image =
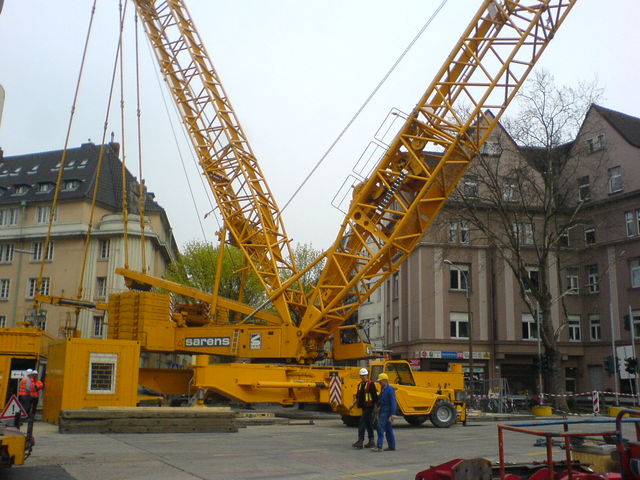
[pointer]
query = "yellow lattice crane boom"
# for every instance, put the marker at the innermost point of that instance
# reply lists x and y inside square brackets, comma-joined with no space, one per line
[243,197]
[391,211]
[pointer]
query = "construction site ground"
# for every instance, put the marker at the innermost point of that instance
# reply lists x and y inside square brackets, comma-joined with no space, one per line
[307,446]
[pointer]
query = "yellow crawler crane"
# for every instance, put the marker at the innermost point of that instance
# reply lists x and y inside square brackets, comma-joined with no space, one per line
[389,213]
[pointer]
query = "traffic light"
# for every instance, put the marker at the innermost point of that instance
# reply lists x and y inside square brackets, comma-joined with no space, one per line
[610,365]
[631,365]
[541,362]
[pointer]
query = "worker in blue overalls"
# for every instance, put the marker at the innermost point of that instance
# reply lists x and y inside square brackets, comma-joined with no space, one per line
[387,406]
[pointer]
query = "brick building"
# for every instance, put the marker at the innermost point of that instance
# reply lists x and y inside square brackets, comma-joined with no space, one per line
[596,272]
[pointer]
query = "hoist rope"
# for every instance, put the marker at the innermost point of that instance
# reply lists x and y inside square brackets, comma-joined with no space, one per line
[123,153]
[143,194]
[364,104]
[63,158]
[100,157]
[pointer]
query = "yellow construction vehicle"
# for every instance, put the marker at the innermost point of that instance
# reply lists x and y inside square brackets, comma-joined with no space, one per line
[389,213]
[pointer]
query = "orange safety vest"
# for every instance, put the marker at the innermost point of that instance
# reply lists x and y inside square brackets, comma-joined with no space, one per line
[23,388]
[36,387]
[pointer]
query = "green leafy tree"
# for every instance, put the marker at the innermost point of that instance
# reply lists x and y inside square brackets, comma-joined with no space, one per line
[196,267]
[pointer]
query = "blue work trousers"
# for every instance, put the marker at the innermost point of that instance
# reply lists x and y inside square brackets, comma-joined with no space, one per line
[385,427]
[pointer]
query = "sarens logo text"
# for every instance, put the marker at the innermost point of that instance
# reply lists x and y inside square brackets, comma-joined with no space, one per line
[207,342]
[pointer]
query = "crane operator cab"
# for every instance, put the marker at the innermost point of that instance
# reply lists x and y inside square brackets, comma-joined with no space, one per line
[348,344]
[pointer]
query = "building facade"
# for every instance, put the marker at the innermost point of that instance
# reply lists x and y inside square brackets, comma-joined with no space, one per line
[594,275]
[75,265]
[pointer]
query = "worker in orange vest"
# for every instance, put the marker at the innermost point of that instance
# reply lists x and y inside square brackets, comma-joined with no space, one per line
[29,391]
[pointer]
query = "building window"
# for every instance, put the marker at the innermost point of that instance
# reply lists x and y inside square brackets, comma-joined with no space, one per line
[470,187]
[594,326]
[529,327]
[32,286]
[6,252]
[584,189]
[453,232]
[491,149]
[9,216]
[532,279]
[459,325]
[70,185]
[509,190]
[523,232]
[464,232]
[43,213]
[37,247]
[635,315]
[589,235]
[596,144]
[635,273]
[3,321]
[593,279]
[101,287]
[629,222]
[615,179]
[103,245]
[396,330]
[563,239]
[459,277]
[573,281]
[5,283]
[463,228]
[395,285]
[102,373]
[98,326]
[20,189]
[44,187]
[574,327]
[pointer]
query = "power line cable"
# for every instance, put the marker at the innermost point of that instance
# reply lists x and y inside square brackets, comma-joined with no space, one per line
[366,102]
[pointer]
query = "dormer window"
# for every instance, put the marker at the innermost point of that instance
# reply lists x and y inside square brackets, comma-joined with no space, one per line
[33,170]
[4,173]
[57,167]
[16,171]
[83,163]
[20,189]
[45,187]
[70,185]
[70,165]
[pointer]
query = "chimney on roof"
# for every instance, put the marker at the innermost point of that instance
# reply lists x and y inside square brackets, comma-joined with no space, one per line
[151,195]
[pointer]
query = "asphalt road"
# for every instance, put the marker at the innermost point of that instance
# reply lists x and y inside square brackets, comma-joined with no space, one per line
[319,451]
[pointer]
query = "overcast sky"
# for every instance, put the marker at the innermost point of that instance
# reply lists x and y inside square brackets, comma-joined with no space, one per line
[296,72]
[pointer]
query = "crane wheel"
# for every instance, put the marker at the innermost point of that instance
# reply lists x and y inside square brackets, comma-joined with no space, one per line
[416,420]
[350,420]
[443,414]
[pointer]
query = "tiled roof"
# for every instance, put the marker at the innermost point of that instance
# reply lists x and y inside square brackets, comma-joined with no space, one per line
[36,174]
[626,125]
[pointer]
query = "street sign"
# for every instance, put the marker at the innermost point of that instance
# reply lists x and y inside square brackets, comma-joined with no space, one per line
[12,408]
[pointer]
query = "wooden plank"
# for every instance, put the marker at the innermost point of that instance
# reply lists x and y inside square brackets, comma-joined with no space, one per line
[146,429]
[149,421]
[148,412]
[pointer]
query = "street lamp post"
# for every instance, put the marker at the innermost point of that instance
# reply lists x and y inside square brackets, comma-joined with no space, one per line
[467,295]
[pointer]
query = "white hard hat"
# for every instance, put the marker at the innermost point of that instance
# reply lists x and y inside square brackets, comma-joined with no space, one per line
[364,371]
[30,372]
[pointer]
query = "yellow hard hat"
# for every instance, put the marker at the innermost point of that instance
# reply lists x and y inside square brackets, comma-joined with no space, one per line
[383,376]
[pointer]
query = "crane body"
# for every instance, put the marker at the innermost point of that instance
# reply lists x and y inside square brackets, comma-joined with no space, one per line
[390,212]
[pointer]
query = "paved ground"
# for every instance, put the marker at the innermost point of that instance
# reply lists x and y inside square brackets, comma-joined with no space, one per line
[308,452]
